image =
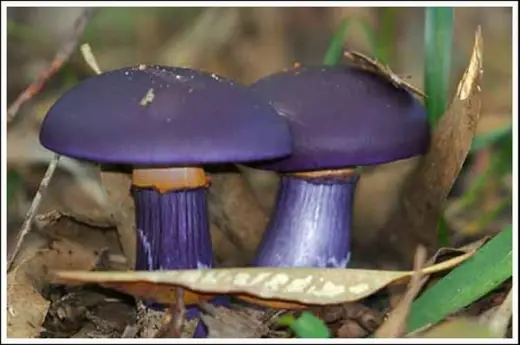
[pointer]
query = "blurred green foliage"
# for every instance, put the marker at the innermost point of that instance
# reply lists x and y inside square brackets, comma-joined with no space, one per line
[335,50]
[14,184]
[306,325]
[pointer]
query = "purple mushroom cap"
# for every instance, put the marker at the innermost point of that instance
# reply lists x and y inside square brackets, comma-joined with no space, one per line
[343,116]
[156,115]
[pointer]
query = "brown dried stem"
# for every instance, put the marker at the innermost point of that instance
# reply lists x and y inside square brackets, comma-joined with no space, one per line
[395,325]
[174,318]
[26,226]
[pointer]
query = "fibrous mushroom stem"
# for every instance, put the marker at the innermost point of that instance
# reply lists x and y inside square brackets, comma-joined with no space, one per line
[172,220]
[172,229]
[172,224]
[310,224]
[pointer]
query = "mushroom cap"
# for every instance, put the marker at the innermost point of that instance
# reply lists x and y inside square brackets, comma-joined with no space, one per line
[189,118]
[343,116]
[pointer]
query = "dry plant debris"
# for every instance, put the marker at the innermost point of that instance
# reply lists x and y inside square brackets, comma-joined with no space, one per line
[424,195]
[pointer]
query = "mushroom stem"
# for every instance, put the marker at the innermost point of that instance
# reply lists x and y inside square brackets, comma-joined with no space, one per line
[172,224]
[172,229]
[310,226]
[171,219]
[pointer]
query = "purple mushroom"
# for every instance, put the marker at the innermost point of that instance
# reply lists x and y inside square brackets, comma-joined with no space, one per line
[166,123]
[340,117]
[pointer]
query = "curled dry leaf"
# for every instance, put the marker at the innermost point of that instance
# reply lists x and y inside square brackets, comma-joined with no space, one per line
[381,69]
[422,201]
[26,306]
[278,287]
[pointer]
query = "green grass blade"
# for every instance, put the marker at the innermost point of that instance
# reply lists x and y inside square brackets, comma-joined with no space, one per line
[335,50]
[437,61]
[483,272]
[371,37]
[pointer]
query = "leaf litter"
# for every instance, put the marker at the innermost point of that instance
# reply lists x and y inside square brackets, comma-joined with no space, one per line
[163,285]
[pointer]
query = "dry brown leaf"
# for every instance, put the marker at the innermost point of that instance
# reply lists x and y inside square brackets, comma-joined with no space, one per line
[279,287]
[223,322]
[91,236]
[421,204]
[26,308]
[234,210]
[367,63]
[122,210]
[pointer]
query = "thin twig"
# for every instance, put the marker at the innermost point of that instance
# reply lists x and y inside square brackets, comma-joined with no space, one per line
[174,318]
[394,326]
[180,312]
[62,56]
[26,226]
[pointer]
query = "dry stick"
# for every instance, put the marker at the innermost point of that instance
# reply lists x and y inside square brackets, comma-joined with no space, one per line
[62,56]
[26,226]
[180,312]
[395,325]
[174,318]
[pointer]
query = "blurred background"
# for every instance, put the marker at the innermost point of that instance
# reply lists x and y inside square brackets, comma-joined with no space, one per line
[245,44]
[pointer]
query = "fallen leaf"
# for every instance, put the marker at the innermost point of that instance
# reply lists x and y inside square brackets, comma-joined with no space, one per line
[421,204]
[307,325]
[93,237]
[26,307]
[223,322]
[122,209]
[278,287]
[381,69]
[235,211]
